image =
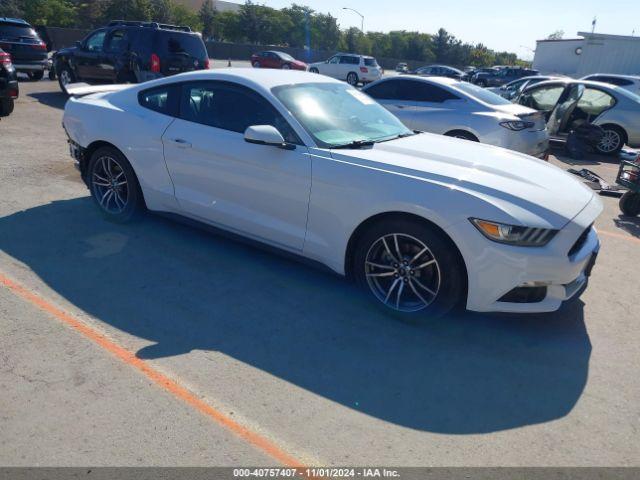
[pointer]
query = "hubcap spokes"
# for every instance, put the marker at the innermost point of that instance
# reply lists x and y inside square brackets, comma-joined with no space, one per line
[65,78]
[609,141]
[110,185]
[402,272]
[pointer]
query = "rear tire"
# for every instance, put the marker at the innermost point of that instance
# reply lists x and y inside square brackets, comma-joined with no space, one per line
[114,186]
[630,204]
[417,276]
[65,77]
[612,141]
[352,79]
[6,107]
[286,66]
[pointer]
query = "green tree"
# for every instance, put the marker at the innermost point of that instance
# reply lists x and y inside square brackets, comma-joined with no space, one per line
[325,33]
[184,16]
[557,35]
[161,11]
[11,8]
[207,15]
[59,13]
[127,10]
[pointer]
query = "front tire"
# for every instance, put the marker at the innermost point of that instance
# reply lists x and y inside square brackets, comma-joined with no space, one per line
[65,77]
[352,79]
[286,66]
[114,186]
[630,204]
[409,268]
[612,141]
[256,64]
[314,70]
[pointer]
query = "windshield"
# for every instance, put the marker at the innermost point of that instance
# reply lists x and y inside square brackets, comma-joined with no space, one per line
[481,94]
[338,114]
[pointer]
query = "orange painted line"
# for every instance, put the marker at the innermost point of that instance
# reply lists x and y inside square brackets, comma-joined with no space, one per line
[621,236]
[160,379]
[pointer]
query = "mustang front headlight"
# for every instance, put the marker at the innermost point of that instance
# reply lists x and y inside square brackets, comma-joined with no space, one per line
[514,234]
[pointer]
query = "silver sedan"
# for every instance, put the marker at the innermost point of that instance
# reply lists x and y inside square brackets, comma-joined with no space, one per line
[460,109]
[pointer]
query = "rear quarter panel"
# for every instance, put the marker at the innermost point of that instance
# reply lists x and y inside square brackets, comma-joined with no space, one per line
[136,131]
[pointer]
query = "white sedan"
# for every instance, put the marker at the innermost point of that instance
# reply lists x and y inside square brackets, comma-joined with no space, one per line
[312,166]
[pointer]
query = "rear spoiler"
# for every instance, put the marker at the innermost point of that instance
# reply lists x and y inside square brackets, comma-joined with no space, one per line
[82,89]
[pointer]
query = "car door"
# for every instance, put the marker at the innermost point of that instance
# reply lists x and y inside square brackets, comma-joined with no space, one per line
[257,190]
[88,56]
[113,58]
[542,97]
[331,68]
[348,63]
[433,108]
[387,93]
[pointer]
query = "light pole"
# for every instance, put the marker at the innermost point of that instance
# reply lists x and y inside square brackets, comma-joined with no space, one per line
[361,17]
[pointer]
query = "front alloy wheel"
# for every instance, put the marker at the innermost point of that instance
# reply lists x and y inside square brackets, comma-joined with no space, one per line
[411,268]
[402,272]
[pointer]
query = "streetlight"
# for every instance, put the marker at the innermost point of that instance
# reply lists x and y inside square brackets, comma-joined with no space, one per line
[361,17]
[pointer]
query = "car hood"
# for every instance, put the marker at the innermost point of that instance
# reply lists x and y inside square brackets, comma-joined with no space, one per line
[529,191]
[299,63]
[514,108]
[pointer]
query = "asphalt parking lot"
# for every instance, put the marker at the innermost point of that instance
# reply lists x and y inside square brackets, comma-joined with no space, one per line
[161,344]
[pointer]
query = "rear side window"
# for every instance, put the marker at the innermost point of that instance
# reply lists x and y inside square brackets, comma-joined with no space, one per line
[621,82]
[230,107]
[370,62]
[117,41]
[350,60]
[412,90]
[175,43]
[162,99]
[16,32]
[384,90]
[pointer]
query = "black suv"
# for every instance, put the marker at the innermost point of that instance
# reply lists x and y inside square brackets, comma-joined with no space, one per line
[8,84]
[497,78]
[131,52]
[28,51]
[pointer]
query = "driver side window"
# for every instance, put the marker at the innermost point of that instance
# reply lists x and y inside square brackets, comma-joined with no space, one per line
[95,42]
[334,60]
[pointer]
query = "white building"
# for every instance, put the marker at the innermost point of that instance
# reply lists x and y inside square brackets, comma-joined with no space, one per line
[593,53]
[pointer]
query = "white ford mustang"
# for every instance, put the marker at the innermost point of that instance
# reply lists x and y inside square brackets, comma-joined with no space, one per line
[312,166]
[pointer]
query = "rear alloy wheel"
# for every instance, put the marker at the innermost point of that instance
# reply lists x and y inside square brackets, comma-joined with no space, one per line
[256,64]
[352,79]
[65,78]
[409,267]
[630,204]
[611,142]
[114,186]
[286,66]
[314,70]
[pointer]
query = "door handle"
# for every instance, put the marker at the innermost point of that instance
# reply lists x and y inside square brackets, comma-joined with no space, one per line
[181,143]
[400,106]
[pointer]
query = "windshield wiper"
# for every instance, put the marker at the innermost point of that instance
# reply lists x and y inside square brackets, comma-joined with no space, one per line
[356,144]
[400,135]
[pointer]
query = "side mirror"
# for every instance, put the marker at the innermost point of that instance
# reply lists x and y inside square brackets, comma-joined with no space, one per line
[266,135]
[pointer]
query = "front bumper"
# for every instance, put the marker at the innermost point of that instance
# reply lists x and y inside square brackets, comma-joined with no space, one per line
[494,269]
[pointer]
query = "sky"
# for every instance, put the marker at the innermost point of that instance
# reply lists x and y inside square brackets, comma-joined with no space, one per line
[500,25]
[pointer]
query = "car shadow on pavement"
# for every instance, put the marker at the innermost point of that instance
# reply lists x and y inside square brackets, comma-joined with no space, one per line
[184,289]
[50,99]
[628,224]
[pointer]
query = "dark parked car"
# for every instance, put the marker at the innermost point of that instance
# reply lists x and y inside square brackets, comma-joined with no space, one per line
[28,51]
[8,84]
[131,52]
[439,71]
[497,78]
[274,59]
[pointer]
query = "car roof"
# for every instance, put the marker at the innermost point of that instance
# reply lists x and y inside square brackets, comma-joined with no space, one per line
[14,21]
[438,80]
[613,75]
[566,81]
[256,78]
